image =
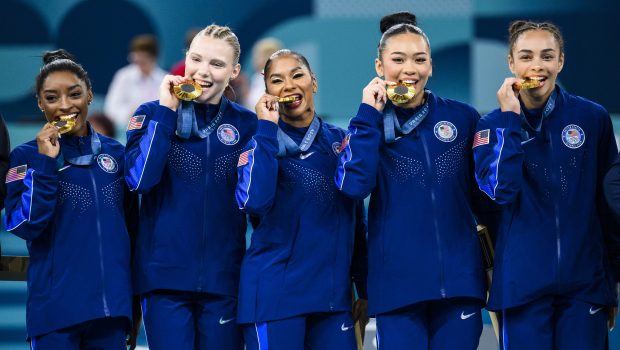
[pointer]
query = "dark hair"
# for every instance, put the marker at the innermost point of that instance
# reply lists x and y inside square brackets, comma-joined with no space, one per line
[519,27]
[60,61]
[285,52]
[399,23]
[145,43]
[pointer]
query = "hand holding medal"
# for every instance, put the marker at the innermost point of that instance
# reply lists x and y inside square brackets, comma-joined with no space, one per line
[374,94]
[167,96]
[47,141]
[267,108]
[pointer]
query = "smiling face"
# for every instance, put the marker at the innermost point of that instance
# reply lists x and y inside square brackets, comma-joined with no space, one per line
[64,94]
[210,62]
[288,76]
[536,55]
[406,57]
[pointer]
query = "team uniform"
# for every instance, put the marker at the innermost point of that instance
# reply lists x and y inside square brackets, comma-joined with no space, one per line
[425,277]
[71,211]
[5,149]
[192,235]
[295,289]
[552,278]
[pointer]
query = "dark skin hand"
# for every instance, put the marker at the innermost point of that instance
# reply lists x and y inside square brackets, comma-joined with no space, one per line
[360,313]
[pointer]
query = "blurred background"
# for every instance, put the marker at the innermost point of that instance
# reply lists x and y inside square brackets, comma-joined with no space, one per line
[339,38]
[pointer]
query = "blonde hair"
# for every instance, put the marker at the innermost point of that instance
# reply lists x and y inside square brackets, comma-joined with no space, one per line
[224,33]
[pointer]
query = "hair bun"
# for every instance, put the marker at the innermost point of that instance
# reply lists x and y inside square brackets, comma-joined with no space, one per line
[51,56]
[397,18]
[516,26]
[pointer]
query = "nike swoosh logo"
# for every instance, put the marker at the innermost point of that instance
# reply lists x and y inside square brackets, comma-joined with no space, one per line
[592,312]
[64,167]
[223,321]
[464,317]
[398,138]
[304,156]
[345,328]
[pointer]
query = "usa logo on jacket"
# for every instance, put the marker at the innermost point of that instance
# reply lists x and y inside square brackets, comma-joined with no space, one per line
[573,136]
[107,163]
[228,134]
[445,131]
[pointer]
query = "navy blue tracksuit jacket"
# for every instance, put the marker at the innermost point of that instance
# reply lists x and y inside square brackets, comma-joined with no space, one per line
[555,222]
[422,242]
[192,235]
[300,258]
[73,220]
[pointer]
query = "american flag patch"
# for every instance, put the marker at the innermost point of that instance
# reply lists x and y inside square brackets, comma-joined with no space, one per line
[243,158]
[17,173]
[135,122]
[481,138]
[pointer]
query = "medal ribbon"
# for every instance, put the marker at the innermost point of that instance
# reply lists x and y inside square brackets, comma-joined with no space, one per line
[87,159]
[286,145]
[549,107]
[391,123]
[187,125]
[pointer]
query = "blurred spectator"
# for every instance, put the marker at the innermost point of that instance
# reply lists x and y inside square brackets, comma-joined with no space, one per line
[102,124]
[260,53]
[240,89]
[135,83]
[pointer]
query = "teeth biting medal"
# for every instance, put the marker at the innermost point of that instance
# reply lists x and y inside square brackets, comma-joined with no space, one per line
[64,124]
[288,99]
[401,92]
[528,83]
[188,90]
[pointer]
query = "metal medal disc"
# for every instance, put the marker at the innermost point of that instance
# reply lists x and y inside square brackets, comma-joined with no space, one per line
[64,125]
[187,90]
[288,99]
[400,93]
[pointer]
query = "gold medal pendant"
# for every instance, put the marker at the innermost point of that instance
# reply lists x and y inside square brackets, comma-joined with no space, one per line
[400,92]
[64,124]
[528,83]
[187,91]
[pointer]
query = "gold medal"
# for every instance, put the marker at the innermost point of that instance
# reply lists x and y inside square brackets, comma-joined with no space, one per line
[528,83]
[288,99]
[400,92]
[188,90]
[64,124]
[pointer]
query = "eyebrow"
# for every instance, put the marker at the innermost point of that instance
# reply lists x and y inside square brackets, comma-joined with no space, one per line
[292,71]
[70,88]
[530,51]
[402,53]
